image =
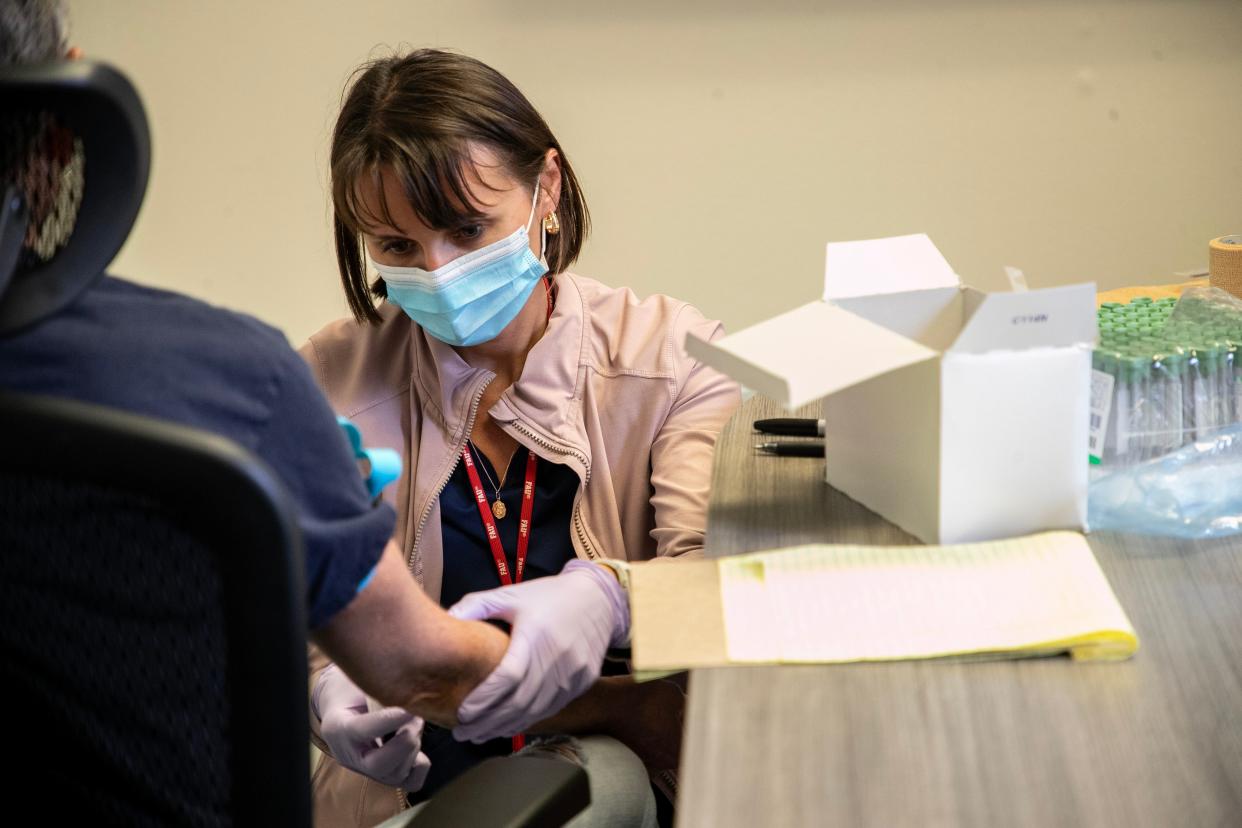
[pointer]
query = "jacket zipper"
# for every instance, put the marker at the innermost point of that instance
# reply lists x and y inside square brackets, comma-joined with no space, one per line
[552,447]
[579,526]
[580,529]
[418,529]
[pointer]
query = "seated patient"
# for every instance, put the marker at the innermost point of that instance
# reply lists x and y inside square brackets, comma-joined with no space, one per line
[164,355]
[544,418]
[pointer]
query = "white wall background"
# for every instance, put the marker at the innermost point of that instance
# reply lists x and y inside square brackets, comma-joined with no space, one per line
[720,143]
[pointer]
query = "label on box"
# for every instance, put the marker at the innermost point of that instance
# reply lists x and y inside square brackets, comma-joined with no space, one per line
[1101,405]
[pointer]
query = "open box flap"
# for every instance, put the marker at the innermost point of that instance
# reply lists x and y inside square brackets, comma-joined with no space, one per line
[892,265]
[808,353]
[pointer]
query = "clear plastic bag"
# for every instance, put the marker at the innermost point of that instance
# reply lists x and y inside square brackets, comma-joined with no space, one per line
[1194,492]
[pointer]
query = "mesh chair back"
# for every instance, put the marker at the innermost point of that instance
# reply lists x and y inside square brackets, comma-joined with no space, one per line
[152,626]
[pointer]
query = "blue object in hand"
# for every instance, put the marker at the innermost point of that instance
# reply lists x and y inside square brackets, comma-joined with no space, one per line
[385,463]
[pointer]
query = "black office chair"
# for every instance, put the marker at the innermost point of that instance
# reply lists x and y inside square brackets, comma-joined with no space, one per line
[152,633]
[152,622]
[152,605]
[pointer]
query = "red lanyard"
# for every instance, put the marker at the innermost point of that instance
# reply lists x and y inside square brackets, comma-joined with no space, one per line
[489,522]
[493,536]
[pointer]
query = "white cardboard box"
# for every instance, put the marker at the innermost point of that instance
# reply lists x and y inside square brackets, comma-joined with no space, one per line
[956,414]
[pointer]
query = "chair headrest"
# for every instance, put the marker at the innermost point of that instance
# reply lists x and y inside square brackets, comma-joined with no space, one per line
[97,111]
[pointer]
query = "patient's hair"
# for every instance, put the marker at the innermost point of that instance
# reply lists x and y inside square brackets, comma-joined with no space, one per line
[33,31]
[417,115]
[38,155]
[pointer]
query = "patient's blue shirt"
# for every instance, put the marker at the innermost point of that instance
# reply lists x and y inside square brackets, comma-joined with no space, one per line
[165,355]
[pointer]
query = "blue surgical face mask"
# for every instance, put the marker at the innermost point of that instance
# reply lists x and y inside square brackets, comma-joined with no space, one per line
[474,297]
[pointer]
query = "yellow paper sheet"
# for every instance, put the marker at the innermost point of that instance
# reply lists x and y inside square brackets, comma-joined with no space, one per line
[818,604]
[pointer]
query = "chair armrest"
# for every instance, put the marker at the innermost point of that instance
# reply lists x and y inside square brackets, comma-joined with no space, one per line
[509,792]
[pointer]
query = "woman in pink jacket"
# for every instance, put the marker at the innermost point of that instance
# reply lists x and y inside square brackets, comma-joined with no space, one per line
[542,416]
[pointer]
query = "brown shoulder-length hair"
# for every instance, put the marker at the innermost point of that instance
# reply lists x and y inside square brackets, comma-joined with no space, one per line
[417,115]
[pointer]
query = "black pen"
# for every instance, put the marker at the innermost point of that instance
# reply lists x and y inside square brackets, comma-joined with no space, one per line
[808,449]
[791,427]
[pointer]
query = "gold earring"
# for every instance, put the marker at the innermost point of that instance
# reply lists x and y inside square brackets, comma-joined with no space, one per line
[551,224]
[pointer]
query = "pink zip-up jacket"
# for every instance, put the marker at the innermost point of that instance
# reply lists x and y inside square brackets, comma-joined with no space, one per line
[608,390]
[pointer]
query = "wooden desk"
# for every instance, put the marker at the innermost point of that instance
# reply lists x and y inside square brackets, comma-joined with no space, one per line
[1153,741]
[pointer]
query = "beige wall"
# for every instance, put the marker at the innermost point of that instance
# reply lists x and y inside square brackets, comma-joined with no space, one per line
[720,143]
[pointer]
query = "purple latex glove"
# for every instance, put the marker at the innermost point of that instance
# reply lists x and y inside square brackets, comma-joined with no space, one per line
[561,628]
[353,733]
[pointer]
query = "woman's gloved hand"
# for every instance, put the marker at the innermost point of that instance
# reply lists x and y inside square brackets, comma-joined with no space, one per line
[561,626]
[353,733]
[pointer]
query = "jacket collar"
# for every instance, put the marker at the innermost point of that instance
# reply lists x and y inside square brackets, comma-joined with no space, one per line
[544,405]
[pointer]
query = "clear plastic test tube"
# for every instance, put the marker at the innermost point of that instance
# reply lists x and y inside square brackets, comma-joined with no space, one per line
[1141,426]
[1228,368]
[1157,442]
[1202,377]
[1194,397]
[1236,392]
[1212,364]
[1097,451]
[1110,363]
[1123,397]
[1173,367]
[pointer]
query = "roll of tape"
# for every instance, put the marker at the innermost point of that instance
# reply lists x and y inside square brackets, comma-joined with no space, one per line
[1225,263]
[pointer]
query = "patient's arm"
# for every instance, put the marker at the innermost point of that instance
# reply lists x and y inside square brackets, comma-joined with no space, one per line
[403,650]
